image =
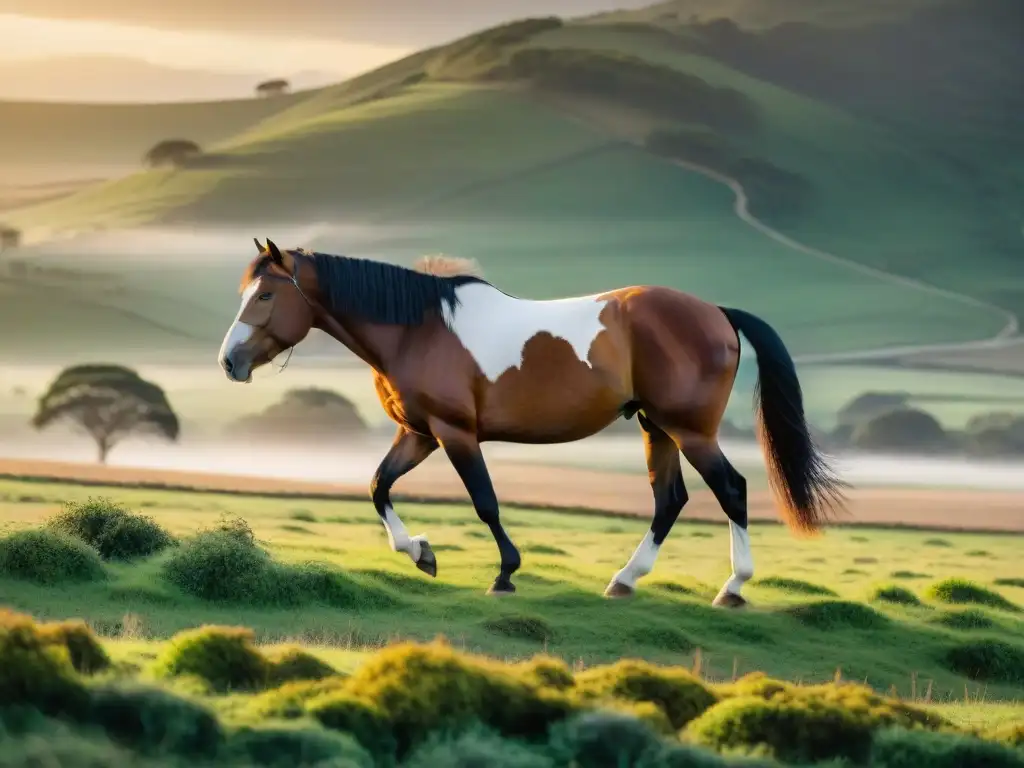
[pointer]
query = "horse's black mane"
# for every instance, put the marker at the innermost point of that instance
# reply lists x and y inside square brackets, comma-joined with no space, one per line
[385,293]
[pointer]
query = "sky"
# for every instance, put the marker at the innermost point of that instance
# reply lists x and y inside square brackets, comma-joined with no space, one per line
[125,50]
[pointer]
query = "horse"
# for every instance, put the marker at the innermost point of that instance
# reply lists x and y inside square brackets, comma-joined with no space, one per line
[457,362]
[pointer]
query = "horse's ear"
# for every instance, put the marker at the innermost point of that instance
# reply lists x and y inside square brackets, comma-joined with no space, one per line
[275,252]
[259,248]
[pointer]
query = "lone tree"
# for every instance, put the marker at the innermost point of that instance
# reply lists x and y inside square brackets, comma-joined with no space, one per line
[10,237]
[273,88]
[174,152]
[108,402]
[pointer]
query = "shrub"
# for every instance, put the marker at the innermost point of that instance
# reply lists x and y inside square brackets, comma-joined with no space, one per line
[49,558]
[58,745]
[289,701]
[421,688]
[85,653]
[290,747]
[219,566]
[1009,733]
[36,672]
[791,731]
[902,429]
[837,614]
[962,591]
[363,719]
[603,740]
[987,659]
[149,720]
[292,664]
[520,627]
[546,671]
[476,748]
[111,528]
[968,619]
[896,748]
[680,695]
[793,585]
[223,657]
[895,594]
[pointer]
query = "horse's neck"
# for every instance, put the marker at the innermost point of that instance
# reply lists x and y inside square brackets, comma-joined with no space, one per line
[365,341]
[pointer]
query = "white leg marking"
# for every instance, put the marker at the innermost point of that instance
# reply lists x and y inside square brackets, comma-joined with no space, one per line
[742,560]
[641,563]
[239,332]
[399,538]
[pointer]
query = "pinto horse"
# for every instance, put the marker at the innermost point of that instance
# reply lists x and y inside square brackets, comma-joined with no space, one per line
[457,362]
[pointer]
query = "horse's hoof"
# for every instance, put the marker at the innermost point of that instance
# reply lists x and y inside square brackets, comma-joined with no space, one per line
[427,562]
[728,600]
[502,588]
[618,590]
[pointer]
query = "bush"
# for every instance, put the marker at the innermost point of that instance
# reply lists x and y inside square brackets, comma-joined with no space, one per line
[35,672]
[421,688]
[962,591]
[902,429]
[219,566]
[112,529]
[520,627]
[173,152]
[361,718]
[49,558]
[546,671]
[990,660]
[603,740]
[58,746]
[837,614]
[292,664]
[968,619]
[149,720]
[223,657]
[896,748]
[680,695]
[793,585]
[476,748]
[85,653]
[792,731]
[895,594]
[1010,733]
[291,747]
[289,701]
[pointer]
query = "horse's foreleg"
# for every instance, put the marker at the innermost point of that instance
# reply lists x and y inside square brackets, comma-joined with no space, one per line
[730,488]
[669,497]
[463,450]
[407,451]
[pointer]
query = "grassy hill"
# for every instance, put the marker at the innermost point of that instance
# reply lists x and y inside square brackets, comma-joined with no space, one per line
[562,156]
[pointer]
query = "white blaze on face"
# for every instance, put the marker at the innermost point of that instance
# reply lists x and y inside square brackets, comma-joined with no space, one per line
[239,332]
[494,327]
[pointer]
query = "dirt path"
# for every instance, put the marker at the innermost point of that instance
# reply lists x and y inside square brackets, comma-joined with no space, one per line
[565,488]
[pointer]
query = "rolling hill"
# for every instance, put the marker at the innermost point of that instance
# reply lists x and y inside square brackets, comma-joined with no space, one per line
[571,156]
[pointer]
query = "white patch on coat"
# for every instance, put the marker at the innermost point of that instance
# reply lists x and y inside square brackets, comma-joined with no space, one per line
[495,327]
[742,559]
[239,332]
[640,564]
[399,537]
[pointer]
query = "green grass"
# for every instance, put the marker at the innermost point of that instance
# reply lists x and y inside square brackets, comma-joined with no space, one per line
[558,608]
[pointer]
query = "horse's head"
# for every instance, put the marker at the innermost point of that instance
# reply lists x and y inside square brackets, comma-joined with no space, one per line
[275,314]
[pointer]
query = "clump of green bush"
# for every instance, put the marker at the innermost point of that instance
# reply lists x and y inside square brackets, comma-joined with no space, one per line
[364,719]
[897,748]
[49,558]
[987,659]
[111,529]
[291,747]
[797,586]
[603,739]
[546,671]
[520,627]
[226,658]
[967,619]
[288,701]
[962,591]
[680,695]
[292,664]
[85,653]
[894,594]
[837,614]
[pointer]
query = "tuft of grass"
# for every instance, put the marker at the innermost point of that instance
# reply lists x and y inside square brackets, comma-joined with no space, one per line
[111,529]
[365,720]
[72,638]
[987,659]
[225,658]
[966,620]
[302,515]
[796,586]
[545,671]
[1012,581]
[978,553]
[49,558]
[288,701]
[544,549]
[836,614]
[665,638]
[291,664]
[936,543]
[908,575]
[895,594]
[520,627]
[962,591]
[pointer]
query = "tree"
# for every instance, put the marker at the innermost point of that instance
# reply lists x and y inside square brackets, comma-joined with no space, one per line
[273,88]
[903,430]
[10,238]
[308,413]
[175,152]
[108,402]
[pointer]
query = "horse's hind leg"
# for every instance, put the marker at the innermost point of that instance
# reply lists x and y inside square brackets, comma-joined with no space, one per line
[407,451]
[669,497]
[730,488]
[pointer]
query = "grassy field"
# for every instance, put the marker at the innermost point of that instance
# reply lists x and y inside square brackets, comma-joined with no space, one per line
[326,600]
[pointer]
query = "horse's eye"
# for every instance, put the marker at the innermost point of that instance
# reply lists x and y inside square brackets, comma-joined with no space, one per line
[265,297]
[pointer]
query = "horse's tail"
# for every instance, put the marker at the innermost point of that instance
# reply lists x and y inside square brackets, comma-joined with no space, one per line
[805,487]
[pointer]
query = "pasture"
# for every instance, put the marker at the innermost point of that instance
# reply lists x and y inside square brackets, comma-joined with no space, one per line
[331,609]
